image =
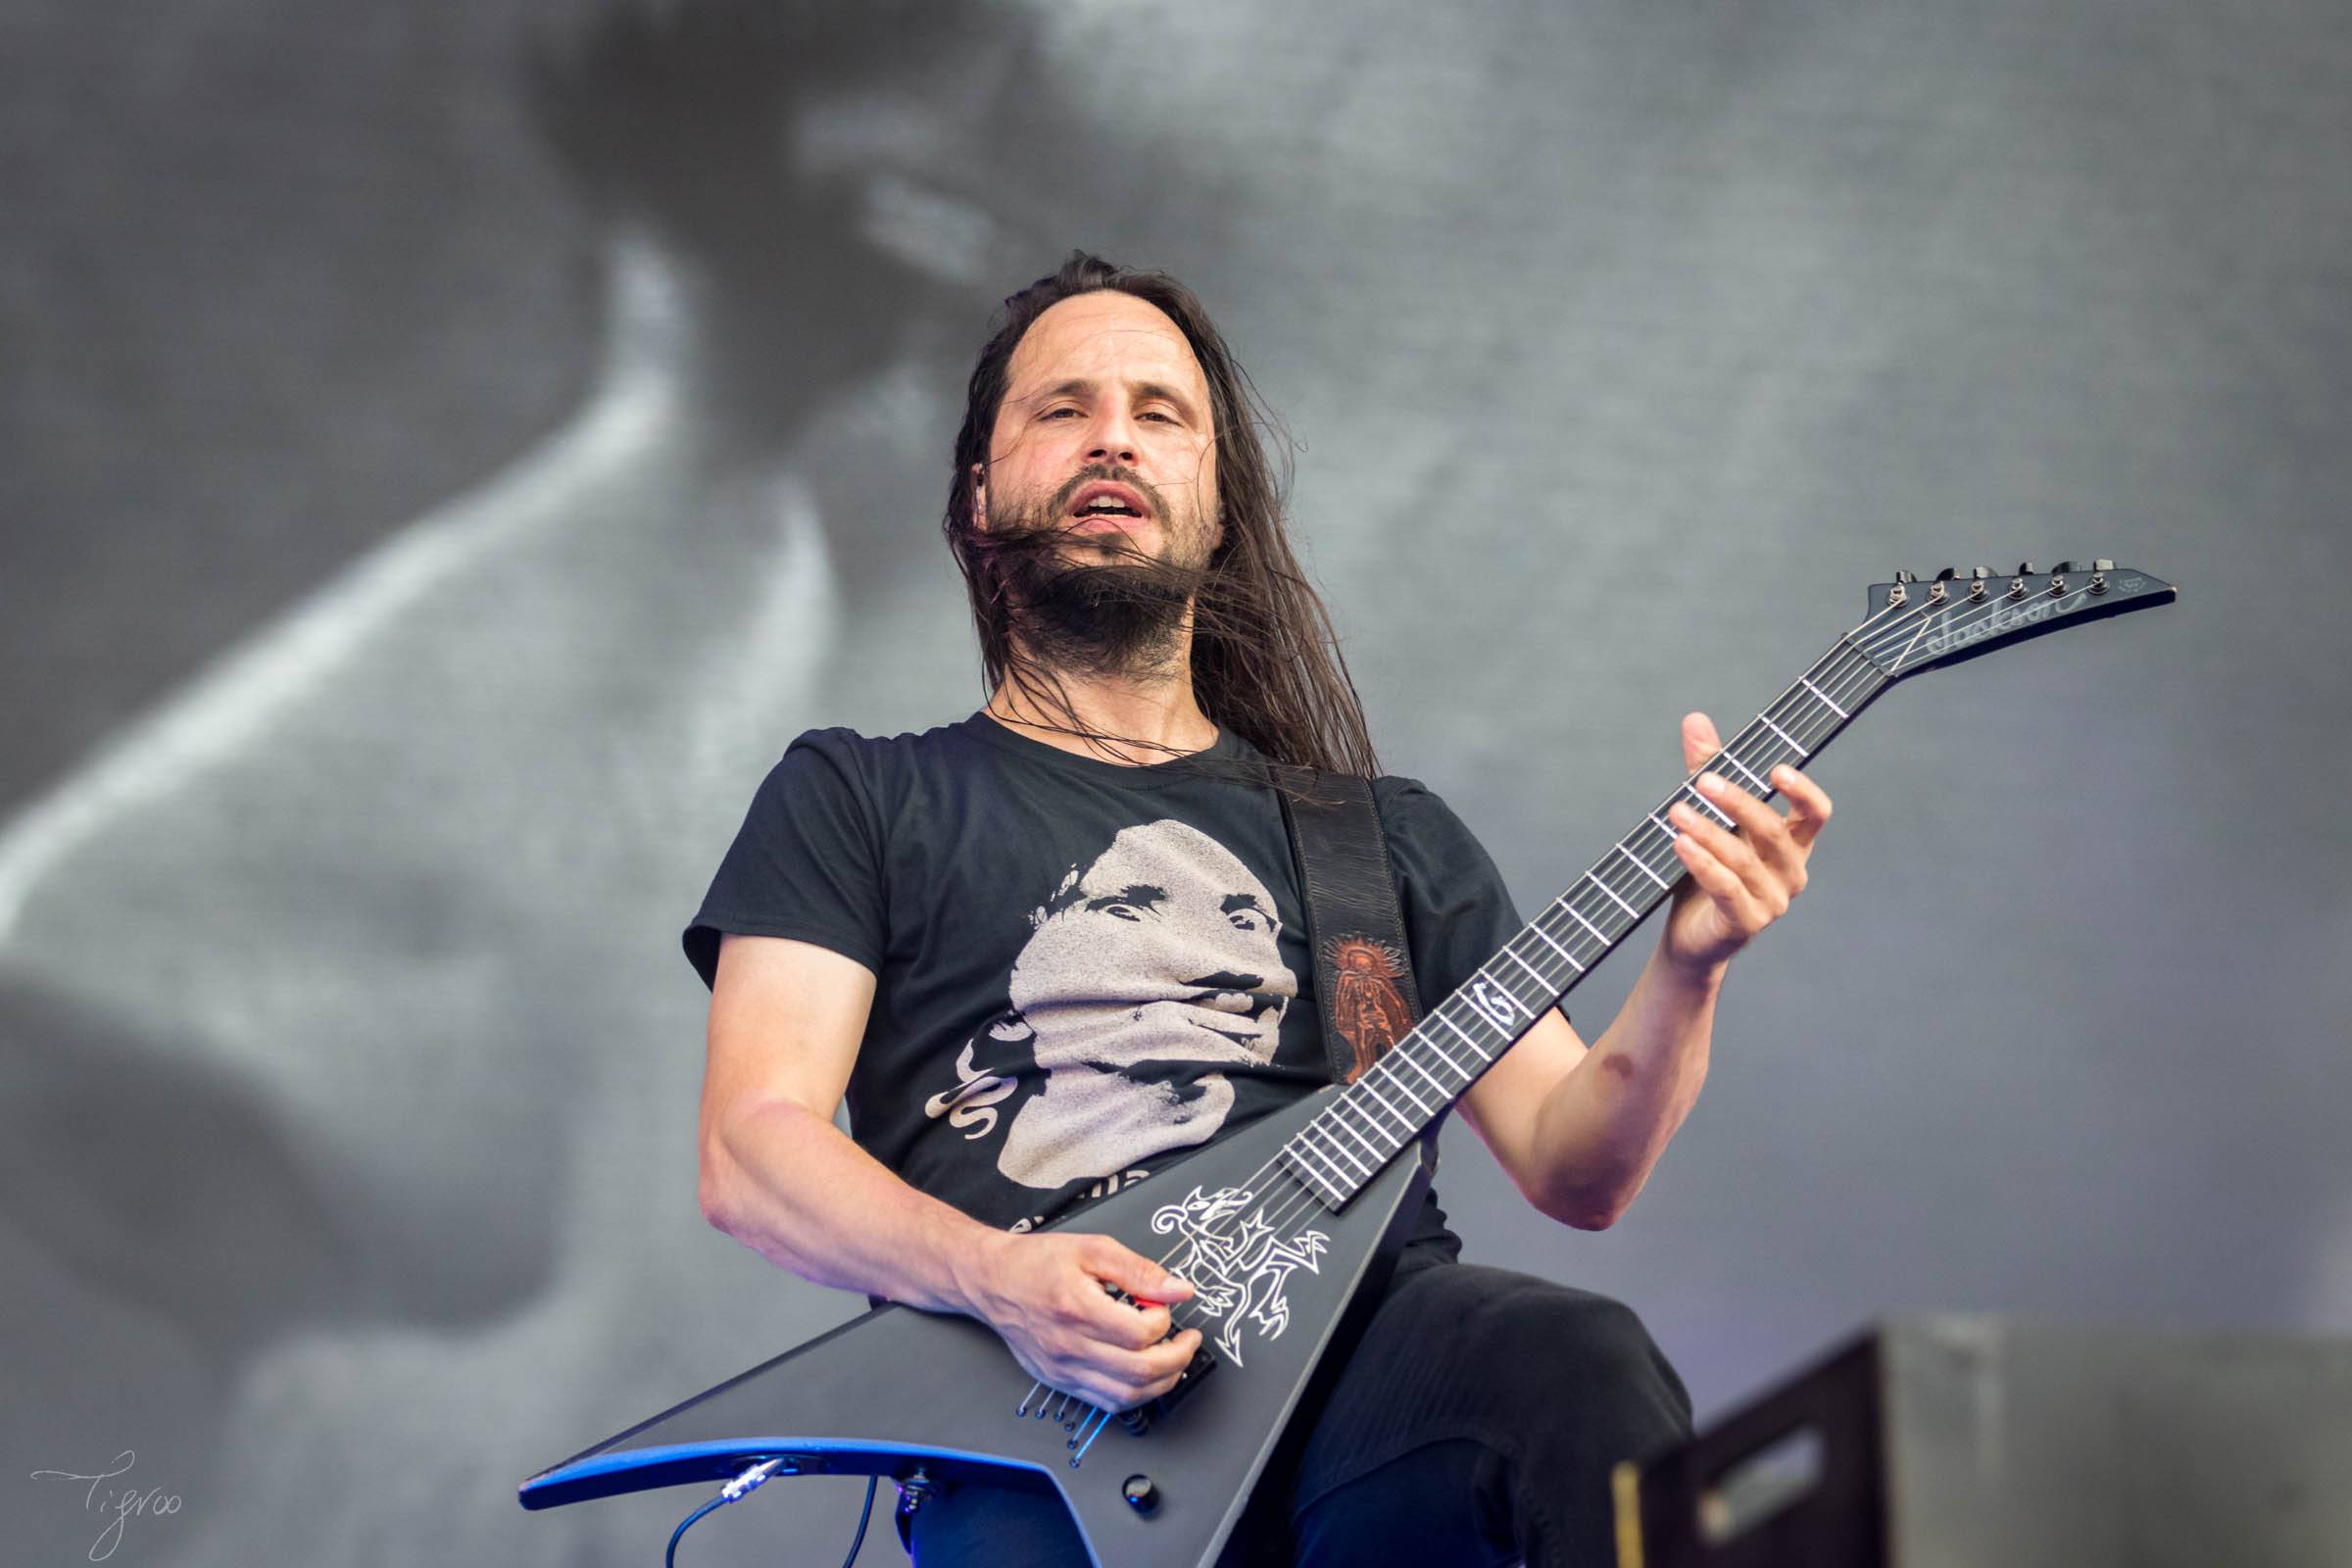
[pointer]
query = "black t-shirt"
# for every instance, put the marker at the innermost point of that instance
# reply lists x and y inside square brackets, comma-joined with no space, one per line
[1085,970]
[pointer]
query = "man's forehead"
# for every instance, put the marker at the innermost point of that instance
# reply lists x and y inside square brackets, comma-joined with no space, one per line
[1104,337]
[1176,855]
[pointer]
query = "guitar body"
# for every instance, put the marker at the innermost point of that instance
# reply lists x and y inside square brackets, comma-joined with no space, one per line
[899,1389]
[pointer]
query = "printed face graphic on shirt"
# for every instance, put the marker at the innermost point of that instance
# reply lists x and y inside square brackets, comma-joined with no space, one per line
[1158,959]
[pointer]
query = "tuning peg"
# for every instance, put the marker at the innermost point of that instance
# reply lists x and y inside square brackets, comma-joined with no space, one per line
[1900,576]
[2027,569]
[2063,567]
[2102,565]
[1947,574]
[1980,573]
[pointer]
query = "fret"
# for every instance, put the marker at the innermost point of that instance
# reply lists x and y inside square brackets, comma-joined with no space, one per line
[1668,828]
[1420,1038]
[1641,865]
[1555,946]
[1303,1150]
[1725,756]
[1340,1120]
[1328,1192]
[1588,926]
[1362,1113]
[1406,1089]
[1613,898]
[1332,1171]
[1541,979]
[1365,1083]
[1713,810]
[1444,1092]
[1338,1148]
[1466,1040]
[1332,1194]
[1824,696]
[1785,736]
[1491,1002]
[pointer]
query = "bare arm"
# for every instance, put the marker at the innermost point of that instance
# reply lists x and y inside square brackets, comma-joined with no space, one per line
[1579,1131]
[776,1174]
[786,1019]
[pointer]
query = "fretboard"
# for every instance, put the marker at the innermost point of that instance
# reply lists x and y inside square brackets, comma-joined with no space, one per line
[1371,1120]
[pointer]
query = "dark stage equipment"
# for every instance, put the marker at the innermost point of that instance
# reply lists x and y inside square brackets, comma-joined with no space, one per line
[1981,1442]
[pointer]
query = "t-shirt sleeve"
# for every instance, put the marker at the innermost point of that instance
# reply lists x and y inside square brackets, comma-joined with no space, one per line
[1457,910]
[806,863]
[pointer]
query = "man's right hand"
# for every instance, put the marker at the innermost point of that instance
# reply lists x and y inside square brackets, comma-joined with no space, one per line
[786,1019]
[1046,1296]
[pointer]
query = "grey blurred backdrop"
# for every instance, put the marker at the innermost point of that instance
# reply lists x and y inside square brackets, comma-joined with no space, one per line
[447,451]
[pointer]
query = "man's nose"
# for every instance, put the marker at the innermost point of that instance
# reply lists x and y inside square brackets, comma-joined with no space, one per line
[1113,438]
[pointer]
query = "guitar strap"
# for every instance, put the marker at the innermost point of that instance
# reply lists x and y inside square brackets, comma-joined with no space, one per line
[1363,969]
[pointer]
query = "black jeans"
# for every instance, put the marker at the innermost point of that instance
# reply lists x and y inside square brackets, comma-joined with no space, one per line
[1475,1425]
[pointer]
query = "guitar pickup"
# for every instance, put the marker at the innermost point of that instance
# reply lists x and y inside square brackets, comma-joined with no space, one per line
[1138,1421]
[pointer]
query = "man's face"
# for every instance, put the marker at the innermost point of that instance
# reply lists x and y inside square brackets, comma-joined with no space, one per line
[1105,405]
[1167,950]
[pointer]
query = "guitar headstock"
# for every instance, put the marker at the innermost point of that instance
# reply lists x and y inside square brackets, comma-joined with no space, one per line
[1962,612]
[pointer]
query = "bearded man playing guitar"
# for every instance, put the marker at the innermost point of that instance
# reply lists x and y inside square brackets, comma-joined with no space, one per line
[1052,948]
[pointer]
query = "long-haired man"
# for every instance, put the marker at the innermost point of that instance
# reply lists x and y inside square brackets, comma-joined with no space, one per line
[1046,949]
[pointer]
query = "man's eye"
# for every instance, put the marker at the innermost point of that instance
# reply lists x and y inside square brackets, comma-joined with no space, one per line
[1056,414]
[1161,414]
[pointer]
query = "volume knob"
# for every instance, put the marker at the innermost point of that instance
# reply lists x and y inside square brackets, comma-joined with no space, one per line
[1141,1492]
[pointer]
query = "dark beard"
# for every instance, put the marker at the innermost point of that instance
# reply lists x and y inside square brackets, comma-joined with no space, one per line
[1113,611]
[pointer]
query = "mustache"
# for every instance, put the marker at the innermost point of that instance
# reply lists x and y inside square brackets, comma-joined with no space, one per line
[1107,473]
[1027,540]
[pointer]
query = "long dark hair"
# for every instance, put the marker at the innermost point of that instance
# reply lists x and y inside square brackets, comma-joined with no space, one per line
[1265,659]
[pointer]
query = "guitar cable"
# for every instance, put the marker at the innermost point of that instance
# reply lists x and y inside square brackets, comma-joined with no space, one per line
[751,1481]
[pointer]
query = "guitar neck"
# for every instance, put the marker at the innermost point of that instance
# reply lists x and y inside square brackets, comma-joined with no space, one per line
[1371,1120]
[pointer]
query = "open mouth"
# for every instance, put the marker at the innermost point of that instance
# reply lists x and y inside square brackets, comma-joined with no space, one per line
[1106,505]
[1238,1015]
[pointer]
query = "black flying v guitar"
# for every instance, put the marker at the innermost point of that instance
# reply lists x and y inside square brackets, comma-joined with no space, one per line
[1286,1224]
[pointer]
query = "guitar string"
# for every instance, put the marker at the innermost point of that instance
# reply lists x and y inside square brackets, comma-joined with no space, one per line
[1089,1420]
[1872,643]
[1845,683]
[1866,640]
[1284,1211]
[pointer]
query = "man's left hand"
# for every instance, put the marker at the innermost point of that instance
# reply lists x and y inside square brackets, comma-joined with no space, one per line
[1740,882]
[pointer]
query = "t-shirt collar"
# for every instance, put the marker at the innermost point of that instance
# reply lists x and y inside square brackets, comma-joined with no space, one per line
[989,731]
